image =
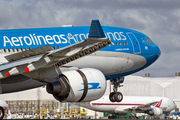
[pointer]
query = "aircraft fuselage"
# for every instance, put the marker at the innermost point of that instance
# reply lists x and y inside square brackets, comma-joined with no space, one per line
[129,52]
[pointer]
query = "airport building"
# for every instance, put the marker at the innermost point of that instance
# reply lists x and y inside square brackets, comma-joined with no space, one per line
[31,100]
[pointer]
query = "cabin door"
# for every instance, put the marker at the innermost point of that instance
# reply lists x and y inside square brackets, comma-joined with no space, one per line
[135,43]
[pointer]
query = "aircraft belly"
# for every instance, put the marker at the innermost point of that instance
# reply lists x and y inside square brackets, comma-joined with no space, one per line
[110,62]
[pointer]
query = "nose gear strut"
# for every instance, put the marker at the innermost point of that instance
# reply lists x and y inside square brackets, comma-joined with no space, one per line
[116,96]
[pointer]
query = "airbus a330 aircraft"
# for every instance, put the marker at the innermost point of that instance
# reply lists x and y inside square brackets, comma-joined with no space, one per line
[154,106]
[74,62]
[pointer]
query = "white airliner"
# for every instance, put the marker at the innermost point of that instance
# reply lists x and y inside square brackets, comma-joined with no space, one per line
[154,106]
[74,61]
[3,107]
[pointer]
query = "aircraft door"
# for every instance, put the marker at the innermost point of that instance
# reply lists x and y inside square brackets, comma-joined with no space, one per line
[135,43]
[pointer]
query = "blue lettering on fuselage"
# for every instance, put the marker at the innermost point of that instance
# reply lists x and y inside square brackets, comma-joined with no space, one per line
[62,37]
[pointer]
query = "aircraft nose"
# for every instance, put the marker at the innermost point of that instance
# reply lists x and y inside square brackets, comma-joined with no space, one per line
[154,53]
[175,106]
[157,51]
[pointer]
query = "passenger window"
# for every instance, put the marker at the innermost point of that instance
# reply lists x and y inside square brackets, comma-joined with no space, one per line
[4,50]
[120,43]
[25,48]
[123,43]
[29,48]
[13,49]
[54,47]
[21,49]
[9,50]
[17,49]
[126,43]
[116,44]
[58,47]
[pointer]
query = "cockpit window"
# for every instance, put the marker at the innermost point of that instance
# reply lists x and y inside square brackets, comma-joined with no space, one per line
[149,41]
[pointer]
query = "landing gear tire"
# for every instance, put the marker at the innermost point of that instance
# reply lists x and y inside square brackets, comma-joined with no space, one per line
[118,96]
[111,97]
[1,113]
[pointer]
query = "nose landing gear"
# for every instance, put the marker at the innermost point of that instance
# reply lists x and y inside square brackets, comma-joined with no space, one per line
[116,96]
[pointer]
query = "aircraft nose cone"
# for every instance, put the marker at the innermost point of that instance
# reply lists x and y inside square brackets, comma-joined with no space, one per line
[157,51]
[153,54]
[175,106]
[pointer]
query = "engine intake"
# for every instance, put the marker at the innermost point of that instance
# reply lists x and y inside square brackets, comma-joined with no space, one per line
[78,85]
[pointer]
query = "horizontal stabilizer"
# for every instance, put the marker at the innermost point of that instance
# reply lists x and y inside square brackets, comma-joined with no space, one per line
[96,30]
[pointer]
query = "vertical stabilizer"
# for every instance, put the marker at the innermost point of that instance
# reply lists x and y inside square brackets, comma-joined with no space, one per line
[96,30]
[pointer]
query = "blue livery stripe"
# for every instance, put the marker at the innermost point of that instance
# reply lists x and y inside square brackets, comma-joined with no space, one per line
[92,86]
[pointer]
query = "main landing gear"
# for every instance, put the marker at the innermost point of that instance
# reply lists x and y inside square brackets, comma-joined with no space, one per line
[116,96]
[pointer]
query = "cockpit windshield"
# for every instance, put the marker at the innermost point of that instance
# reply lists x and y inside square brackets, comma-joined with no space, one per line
[149,41]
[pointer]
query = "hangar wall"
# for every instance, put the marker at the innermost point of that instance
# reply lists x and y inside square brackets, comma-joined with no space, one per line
[133,85]
[146,86]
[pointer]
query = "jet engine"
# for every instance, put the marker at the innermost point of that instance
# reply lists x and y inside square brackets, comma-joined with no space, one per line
[155,111]
[85,84]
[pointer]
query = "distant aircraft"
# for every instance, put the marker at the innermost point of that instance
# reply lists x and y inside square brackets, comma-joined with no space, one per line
[74,61]
[3,107]
[154,106]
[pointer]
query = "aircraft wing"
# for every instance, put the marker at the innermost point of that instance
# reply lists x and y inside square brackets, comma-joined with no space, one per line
[46,56]
[147,106]
[133,108]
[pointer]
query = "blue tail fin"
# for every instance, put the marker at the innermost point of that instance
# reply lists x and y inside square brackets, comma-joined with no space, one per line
[96,30]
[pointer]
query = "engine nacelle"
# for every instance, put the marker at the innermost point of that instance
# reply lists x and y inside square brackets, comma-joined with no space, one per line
[78,85]
[155,111]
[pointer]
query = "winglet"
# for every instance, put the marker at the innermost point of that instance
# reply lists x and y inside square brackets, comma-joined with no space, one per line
[96,30]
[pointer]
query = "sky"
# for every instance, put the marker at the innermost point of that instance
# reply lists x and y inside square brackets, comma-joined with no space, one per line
[158,19]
